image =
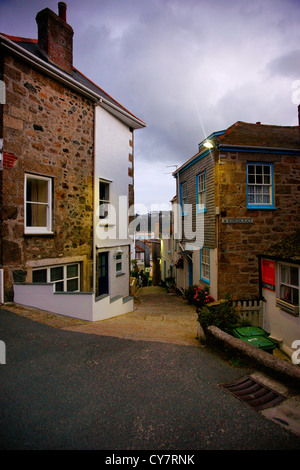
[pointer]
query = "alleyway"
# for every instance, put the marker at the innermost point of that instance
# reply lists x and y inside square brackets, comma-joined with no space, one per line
[158,316]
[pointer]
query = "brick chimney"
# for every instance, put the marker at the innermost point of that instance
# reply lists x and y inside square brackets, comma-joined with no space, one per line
[55,37]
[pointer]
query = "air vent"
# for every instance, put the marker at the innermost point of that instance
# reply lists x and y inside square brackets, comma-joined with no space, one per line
[254,393]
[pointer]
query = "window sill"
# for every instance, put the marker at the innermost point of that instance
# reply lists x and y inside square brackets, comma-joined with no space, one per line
[120,274]
[206,281]
[256,206]
[287,307]
[39,234]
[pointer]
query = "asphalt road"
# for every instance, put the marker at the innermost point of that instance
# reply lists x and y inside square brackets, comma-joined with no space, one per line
[68,390]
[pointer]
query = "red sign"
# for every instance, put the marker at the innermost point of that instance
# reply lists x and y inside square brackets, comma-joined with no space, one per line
[268,274]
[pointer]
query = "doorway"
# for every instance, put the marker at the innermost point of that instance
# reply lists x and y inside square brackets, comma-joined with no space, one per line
[103,287]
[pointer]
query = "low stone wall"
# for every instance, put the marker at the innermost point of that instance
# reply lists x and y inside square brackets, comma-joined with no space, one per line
[274,365]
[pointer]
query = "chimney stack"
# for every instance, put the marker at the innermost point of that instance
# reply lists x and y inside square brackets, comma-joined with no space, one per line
[62,11]
[55,37]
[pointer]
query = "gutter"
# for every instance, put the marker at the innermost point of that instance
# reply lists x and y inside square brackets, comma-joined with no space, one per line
[65,79]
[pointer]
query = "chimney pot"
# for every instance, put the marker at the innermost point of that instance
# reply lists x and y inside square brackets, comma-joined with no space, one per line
[62,11]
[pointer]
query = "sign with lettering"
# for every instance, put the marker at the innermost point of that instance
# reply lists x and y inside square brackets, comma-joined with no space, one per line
[268,274]
[240,220]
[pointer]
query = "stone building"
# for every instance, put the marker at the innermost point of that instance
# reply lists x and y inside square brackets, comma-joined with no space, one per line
[238,194]
[49,182]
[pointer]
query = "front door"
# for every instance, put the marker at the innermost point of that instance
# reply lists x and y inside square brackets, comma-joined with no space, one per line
[103,273]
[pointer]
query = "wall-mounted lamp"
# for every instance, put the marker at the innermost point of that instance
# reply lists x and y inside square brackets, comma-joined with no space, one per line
[209,144]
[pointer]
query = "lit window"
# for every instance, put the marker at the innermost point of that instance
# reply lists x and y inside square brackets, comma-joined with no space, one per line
[38,204]
[260,191]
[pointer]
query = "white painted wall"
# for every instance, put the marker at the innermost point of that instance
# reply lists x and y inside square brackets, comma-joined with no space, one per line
[112,151]
[281,325]
[79,305]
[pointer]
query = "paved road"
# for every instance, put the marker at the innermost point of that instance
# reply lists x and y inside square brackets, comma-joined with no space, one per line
[68,390]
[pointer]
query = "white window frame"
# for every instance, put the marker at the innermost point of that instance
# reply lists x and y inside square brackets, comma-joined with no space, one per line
[48,227]
[205,265]
[119,264]
[184,196]
[284,303]
[103,202]
[201,192]
[65,277]
[264,187]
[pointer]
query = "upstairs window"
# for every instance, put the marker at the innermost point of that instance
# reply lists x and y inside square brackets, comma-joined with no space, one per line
[184,197]
[260,188]
[38,204]
[103,199]
[201,192]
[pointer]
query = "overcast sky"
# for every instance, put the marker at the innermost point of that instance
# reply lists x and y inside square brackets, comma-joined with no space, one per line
[185,67]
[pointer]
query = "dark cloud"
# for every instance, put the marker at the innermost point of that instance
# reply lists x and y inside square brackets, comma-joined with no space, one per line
[185,68]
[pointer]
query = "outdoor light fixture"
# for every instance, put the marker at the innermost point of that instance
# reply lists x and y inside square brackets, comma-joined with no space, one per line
[208,144]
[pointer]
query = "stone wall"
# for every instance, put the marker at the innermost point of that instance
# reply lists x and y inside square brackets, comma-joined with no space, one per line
[47,130]
[238,243]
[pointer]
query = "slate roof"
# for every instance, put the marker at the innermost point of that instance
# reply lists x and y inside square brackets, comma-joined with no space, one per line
[288,248]
[261,135]
[31,45]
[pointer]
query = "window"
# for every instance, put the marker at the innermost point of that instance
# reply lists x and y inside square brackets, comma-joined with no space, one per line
[66,277]
[184,196]
[119,263]
[260,190]
[289,284]
[38,204]
[201,192]
[103,199]
[205,265]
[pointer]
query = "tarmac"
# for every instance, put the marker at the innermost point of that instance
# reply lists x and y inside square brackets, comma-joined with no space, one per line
[166,317]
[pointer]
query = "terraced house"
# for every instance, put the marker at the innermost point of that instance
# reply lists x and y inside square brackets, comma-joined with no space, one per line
[68,152]
[245,191]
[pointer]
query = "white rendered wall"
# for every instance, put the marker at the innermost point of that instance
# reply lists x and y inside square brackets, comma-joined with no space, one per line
[112,151]
[280,324]
[79,305]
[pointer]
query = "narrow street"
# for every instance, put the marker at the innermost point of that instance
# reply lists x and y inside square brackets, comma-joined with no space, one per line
[158,316]
[140,381]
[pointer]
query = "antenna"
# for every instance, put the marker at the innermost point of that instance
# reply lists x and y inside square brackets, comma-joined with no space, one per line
[170,172]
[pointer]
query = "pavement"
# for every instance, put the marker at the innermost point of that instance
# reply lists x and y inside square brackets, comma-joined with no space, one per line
[165,318]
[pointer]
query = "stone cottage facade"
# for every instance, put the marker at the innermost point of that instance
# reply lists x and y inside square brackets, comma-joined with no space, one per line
[237,197]
[47,181]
